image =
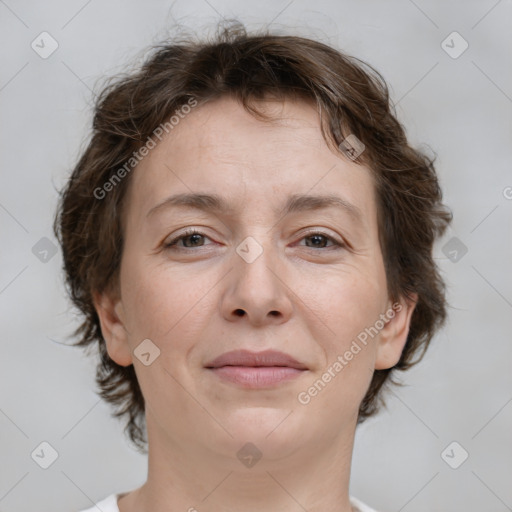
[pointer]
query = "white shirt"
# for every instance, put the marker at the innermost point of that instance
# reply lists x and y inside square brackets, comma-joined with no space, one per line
[109,504]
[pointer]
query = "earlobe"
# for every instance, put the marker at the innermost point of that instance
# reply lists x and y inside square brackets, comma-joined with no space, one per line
[393,336]
[111,316]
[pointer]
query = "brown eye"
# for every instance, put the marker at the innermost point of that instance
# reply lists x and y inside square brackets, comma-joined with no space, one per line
[190,239]
[319,240]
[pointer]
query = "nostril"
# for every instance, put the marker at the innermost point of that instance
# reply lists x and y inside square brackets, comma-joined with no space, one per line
[239,312]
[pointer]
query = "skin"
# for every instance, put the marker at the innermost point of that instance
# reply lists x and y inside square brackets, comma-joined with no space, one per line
[303,295]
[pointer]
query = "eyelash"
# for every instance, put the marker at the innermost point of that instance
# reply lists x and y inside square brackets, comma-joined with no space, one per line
[171,245]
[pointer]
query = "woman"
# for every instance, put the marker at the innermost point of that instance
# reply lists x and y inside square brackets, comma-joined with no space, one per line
[249,238]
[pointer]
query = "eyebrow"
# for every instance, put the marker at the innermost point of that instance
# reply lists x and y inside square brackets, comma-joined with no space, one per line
[216,204]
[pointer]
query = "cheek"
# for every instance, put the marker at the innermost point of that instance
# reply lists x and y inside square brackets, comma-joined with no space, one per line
[165,304]
[351,307]
[348,303]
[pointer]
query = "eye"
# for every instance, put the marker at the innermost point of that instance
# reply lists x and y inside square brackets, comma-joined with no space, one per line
[319,239]
[190,238]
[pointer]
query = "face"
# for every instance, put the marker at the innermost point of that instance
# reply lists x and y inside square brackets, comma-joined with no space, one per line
[261,267]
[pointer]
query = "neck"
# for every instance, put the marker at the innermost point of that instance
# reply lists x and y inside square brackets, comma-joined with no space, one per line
[312,476]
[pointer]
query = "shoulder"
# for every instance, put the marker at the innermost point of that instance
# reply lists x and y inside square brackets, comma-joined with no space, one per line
[108,504]
[359,506]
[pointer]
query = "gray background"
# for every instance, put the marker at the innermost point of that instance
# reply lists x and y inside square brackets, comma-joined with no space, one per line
[459,106]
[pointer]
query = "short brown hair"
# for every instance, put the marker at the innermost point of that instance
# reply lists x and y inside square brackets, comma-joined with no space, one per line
[352,98]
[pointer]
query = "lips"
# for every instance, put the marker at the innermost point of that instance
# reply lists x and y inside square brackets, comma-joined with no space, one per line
[256,370]
[247,358]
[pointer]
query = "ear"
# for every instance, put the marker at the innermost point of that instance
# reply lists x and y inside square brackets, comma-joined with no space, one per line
[112,320]
[393,336]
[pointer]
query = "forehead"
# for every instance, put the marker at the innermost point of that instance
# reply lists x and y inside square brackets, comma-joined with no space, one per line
[219,147]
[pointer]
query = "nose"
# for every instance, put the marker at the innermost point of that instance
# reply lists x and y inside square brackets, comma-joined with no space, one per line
[256,290]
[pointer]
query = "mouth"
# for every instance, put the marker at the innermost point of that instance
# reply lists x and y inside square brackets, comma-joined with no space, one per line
[256,369]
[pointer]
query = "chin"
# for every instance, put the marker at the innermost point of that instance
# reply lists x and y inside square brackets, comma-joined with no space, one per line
[266,427]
